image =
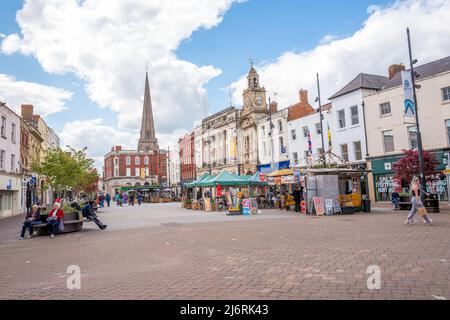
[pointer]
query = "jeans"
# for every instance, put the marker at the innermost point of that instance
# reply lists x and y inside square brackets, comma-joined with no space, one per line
[395,202]
[108,202]
[28,224]
[53,226]
[415,205]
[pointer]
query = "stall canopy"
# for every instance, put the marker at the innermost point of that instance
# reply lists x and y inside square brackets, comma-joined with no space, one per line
[255,180]
[195,183]
[225,179]
[283,172]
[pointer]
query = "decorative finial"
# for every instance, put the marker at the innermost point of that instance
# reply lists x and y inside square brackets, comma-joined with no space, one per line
[251,62]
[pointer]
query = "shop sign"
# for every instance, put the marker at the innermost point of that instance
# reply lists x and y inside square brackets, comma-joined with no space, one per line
[329,207]
[319,206]
[385,184]
[246,207]
[436,185]
[287,179]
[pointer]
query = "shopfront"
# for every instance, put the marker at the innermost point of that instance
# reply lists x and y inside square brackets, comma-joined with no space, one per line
[10,195]
[385,182]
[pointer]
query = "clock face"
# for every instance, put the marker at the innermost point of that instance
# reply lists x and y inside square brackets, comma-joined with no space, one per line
[259,101]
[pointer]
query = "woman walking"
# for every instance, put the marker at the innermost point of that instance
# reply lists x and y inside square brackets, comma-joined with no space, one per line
[416,201]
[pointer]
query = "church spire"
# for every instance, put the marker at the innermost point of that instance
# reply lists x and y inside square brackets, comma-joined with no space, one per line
[147,141]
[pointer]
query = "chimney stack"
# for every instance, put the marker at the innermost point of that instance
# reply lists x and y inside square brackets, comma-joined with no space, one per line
[27,112]
[273,107]
[303,96]
[394,69]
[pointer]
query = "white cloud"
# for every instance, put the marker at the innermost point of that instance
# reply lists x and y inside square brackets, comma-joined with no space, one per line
[108,45]
[46,100]
[379,43]
[328,38]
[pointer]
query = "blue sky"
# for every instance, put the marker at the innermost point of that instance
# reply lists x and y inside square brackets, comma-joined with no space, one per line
[193,48]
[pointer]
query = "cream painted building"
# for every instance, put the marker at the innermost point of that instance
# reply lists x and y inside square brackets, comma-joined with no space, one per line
[215,143]
[10,171]
[388,133]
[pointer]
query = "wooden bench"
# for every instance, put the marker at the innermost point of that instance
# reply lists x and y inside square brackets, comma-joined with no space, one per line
[73,222]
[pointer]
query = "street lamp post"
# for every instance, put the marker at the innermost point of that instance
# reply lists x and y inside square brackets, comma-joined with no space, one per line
[271,133]
[419,135]
[237,142]
[321,121]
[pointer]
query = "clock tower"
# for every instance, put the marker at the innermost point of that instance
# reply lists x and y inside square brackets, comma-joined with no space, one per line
[255,95]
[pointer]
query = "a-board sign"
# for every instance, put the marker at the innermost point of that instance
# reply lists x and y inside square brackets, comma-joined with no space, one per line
[329,207]
[337,207]
[246,207]
[208,205]
[319,206]
[303,207]
[254,206]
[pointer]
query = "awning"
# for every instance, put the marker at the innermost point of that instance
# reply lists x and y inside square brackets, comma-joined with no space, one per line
[283,172]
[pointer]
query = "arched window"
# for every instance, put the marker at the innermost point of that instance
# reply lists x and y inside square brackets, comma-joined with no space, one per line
[128,161]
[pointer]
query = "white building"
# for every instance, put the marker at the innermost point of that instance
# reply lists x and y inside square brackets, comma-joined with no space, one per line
[273,145]
[348,138]
[389,133]
[10,175]
[173,166]
[300,128]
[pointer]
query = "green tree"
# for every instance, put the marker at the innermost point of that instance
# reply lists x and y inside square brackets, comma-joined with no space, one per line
[65,170]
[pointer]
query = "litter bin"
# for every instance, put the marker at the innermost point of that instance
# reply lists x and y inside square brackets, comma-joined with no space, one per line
[431,203]
[366,205]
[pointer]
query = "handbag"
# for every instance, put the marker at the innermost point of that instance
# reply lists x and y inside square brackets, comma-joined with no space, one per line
[422,211]
[61,225]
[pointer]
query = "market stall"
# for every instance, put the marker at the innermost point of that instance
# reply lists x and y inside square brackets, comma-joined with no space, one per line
[282,184]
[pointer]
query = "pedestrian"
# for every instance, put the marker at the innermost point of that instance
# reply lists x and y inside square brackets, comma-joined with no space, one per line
[101,200]
[108,199]
[32,218]
[124,199]
[55,218]
[415,191]
[118,198]
[131,200]
[139,198]
[297,198]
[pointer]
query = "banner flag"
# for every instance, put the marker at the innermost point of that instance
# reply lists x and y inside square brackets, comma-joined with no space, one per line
[408,93]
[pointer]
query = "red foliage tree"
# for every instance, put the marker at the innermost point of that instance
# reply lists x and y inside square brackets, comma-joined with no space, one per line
[408,166]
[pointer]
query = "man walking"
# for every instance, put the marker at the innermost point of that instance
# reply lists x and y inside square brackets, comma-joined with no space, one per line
[297,194]
[108,199]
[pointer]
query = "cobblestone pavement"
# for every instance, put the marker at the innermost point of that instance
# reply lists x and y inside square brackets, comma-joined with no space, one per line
[180,254]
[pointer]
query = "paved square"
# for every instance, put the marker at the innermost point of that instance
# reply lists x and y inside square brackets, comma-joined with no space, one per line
[165,252]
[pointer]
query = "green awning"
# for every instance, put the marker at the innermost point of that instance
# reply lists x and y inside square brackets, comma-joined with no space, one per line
[225,179]
[194,184]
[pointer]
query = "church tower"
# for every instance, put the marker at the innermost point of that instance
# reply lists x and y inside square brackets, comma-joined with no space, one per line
[255,95]
[147,140]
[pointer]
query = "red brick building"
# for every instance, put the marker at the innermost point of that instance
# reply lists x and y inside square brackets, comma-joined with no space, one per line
[187,158]
[145,166]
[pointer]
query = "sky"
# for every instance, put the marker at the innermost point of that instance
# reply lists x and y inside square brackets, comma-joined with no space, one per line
[82,63]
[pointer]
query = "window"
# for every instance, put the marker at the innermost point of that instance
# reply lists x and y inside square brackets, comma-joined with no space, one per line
[128,172]
[305,132]
[116,172]
[13,163]
[2,159]
[355,115]
[388,141]
[385,109]
[446,94]
[116,161]
[295,157]
[447,124]
[146,160]
[280,126]
[412,134]
[3,128]
[128,161]
[13,133]
[282,147]
[344,152]
[137,172]
[294,134]
[137,161]
[357,150]
[263,129]
[318,128]
[341,119]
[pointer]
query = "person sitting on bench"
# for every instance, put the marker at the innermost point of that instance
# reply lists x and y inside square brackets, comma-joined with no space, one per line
[55,217]
[31,219]
[396,199]
[88,212]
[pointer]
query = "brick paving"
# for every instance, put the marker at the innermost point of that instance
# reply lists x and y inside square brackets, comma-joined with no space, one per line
[212,256]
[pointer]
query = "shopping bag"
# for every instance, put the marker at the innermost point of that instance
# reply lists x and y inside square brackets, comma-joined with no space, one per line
[422,211]
[61,226]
